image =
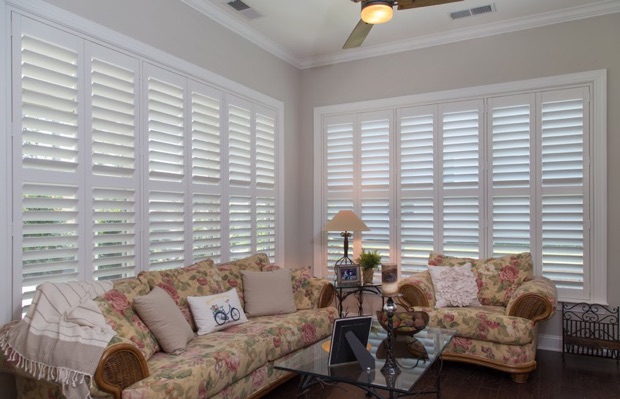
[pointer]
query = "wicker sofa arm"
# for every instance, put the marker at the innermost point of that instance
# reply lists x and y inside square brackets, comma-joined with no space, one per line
[120,366]
[416,291]
[327,292]
[534,300]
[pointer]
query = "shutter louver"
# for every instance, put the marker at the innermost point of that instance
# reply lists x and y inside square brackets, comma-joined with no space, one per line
[49,80]
[511,225]
[416,151]
[460,149]
[239,146]
[266,225]
[461,234]
[375,214]
[511,146]
[375,155]
[166,230]
[207,226]
[340,157]
[205,139]
[165,131]
[240,226]
[114,233]
[265,151]
[563,240]
[416,233]
[50,236]
[113,119]
[562,142]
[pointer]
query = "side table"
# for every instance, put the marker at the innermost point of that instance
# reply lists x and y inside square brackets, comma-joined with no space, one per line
[358,290]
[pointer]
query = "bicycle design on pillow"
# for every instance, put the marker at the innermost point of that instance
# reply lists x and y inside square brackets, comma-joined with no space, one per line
[222,316]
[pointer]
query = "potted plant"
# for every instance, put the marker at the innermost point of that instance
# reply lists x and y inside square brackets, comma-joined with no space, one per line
[369,261]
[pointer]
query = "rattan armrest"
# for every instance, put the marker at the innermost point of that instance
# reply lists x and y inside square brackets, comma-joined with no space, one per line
[326,297]
[416,291]
[534,300]
[120,366]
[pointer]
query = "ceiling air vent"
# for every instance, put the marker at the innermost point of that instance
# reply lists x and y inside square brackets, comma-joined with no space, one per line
[472,11]
[244,9]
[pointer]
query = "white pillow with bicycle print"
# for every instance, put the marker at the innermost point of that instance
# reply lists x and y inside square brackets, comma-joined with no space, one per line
[216,312]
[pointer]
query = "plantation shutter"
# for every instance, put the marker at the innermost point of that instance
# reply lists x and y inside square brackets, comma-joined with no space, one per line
[165,94]
[339,166]
[563,173]
[206,183]
[461,178]
[375,182]
[417,174]
[265,153]
[512,129]
[46,79]
[113,182]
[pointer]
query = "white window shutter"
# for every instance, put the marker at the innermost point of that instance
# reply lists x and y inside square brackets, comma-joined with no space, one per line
[417,181]
[205,142]
[240,143]
[240,226]
[112,177]
[339,155]
[565,209]
[166,190]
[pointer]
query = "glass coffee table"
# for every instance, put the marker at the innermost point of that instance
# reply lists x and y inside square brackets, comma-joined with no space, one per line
[311,363]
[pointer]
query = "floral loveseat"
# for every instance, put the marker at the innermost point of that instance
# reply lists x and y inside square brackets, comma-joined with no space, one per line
[235,362]
[500,330]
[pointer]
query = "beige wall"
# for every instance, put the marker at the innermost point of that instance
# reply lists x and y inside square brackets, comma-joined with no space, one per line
[571,47]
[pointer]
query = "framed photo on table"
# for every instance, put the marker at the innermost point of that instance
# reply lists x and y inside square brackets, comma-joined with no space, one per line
[348,275]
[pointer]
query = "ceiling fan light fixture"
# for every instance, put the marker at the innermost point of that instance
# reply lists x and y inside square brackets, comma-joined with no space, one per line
[377,12]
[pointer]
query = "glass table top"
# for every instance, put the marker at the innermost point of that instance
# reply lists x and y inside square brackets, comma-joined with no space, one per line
[427,345]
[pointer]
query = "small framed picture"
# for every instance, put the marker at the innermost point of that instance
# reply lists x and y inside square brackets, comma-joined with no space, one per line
[348,275]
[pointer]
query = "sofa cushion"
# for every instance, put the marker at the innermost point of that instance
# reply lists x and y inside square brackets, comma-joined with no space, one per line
[164,319]
[209,364]
[268,293]
[497,278]
[216,312]
[286,333]
[454,286]
[486,323]
[231,272]
[304,288]
[116,306]
[201,278]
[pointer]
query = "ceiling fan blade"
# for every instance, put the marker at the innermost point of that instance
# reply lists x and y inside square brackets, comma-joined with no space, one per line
[406,4]
[356,38]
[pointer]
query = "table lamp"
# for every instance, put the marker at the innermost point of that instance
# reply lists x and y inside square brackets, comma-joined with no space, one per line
[345,222]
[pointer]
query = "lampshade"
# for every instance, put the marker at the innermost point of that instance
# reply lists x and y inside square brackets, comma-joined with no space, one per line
[345,221]
[377,12]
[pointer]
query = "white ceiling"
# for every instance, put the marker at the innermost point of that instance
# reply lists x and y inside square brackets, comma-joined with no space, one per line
[309,33]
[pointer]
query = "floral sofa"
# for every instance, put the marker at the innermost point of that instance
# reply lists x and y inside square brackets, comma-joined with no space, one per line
[497,330]
[235,362]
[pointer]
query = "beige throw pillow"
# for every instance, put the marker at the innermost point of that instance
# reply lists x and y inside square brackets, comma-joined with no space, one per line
[268,293]
[164,319]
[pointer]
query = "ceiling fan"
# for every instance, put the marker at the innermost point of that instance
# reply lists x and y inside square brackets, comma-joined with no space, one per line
[379,11]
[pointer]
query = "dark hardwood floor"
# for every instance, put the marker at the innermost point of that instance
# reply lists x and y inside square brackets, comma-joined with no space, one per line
[579,377]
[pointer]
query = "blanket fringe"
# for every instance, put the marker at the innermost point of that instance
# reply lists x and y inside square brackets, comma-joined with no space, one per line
[41,371]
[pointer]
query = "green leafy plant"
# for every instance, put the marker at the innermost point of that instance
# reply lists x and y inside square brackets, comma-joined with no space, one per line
[369,260]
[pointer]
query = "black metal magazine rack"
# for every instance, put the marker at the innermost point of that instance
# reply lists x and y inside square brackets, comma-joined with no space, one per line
[591,330]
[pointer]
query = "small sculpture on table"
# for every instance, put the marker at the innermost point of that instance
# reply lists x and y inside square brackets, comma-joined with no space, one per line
[389,283]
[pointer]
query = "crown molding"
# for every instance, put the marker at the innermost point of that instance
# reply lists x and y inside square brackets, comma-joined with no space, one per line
[242,30]
[550,18]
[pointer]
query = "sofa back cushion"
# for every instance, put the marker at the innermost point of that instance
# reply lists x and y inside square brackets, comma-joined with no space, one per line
[231,271]
[201,278]
[497,278]
[116,305]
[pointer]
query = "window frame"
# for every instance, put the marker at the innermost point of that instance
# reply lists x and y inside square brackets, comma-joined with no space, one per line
[596,80]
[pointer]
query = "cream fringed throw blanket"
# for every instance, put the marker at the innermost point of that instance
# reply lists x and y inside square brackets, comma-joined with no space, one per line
[62,337]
